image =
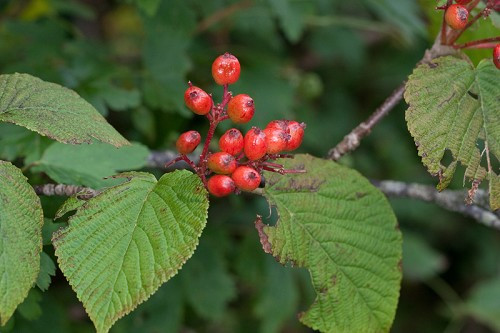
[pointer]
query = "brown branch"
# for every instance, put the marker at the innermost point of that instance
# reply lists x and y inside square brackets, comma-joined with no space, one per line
[352,140]
[156,159]
[65,191]
[452,200]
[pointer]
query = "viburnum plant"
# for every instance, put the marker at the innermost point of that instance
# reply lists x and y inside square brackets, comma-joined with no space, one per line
[126,237]
[242,159]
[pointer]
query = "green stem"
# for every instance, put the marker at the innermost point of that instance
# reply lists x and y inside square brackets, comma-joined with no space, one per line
[445,292]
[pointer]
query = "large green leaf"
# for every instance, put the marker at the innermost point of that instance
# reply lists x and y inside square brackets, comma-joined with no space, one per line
[455,107]
[52,110]
[88,164]
[21,220]
[335,223]
[123,244]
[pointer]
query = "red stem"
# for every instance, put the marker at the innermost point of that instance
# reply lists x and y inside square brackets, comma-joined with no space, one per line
[273,165]
[443,24]
[202,164]
[215,118]
[479,44]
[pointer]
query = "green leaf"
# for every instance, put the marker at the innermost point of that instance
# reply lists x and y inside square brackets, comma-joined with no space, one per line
[21,220]
[49,227]
[148,6]
[339,226]
[16,141]
[420,261]
[121,245]
[454,107]
[47,269]
[30,308]
[206,282]
[483,303]
[88,165]
[71,204]
[53,110]
[291,16]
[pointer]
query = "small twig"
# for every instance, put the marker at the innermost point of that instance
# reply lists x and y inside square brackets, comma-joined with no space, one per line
[352,140]
[158,159]
[452,200]
[351,22]
[65,190]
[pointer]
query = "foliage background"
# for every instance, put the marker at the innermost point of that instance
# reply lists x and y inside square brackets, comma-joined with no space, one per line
[328,63]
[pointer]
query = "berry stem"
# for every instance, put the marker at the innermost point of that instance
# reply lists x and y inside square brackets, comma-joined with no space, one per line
[486,43]
[182,158]
[202,164]
[273,165]
[443,24]
[282,171]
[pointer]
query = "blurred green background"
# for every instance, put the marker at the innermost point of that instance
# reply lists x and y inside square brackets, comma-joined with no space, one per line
[328,63]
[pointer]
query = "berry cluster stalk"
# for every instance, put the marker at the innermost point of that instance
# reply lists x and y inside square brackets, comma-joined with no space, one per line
[215,116]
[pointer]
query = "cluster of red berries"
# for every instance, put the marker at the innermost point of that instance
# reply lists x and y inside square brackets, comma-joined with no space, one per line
[456,17]
[241,159]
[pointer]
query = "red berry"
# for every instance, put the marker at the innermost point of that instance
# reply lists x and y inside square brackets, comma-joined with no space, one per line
[188,141]
[197,100]
[232,142]
[276,140]
[456,16]
[296,132]
[222,163]
[226,69]
[255,144]
[220,185]
[246,178]
[241,108]
[278,124]
[463,2]
[496,55]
